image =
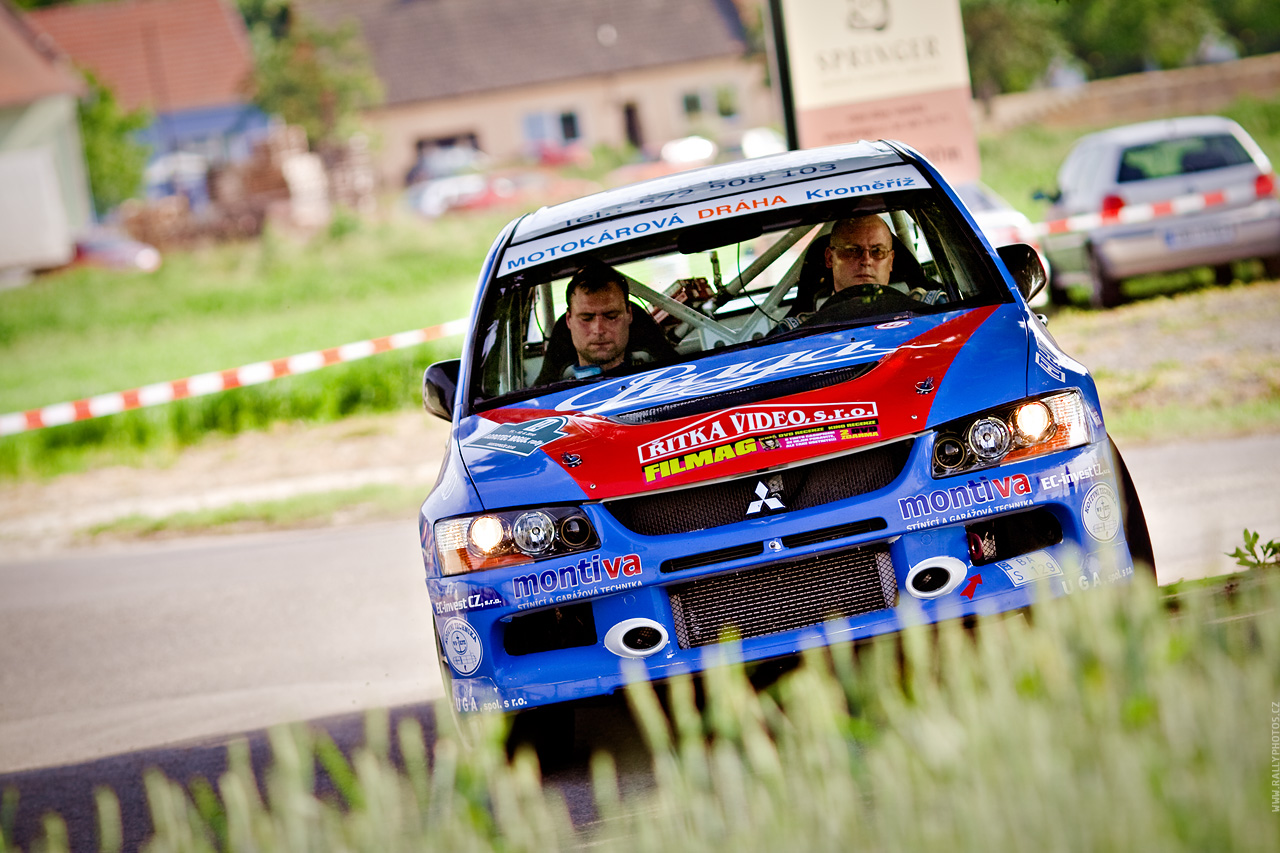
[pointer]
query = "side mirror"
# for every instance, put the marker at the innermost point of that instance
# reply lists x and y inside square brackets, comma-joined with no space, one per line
[439,387]
[1025,267]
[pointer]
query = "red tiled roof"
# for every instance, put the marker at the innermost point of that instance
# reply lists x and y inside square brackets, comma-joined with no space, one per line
[30,69]
[165,55]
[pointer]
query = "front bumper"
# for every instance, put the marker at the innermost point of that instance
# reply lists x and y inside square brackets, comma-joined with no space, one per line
[841,571]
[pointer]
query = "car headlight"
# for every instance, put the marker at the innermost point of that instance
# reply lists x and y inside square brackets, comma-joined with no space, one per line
[470,543]
[1019,431]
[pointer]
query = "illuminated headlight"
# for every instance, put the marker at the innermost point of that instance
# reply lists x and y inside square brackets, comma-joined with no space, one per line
[1010,433]
[1032,423]
[474,542]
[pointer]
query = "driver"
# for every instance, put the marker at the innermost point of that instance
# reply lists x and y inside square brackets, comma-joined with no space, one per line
[599,317]
[860,254]
[602,331]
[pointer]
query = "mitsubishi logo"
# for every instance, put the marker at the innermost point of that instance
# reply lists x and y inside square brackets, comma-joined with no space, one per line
[767,496]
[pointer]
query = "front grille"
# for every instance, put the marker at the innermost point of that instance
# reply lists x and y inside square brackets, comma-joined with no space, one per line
[710,558]
[783,596]
[726,502]
[1009,536]
[838,531]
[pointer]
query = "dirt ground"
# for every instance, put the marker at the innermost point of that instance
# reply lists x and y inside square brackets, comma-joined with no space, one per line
[1205,348]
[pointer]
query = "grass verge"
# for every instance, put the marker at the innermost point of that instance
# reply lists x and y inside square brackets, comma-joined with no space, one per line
[382,383]
[366,503]
[1177,423]
[1117,719]
[85,331]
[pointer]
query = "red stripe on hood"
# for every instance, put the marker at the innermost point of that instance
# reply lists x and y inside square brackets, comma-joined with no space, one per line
[613,459]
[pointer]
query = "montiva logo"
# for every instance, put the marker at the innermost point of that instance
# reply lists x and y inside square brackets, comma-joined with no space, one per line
[585,573]
[964,496]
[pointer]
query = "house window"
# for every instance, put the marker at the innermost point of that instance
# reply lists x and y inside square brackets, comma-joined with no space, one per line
[727,102]
[551,129]
[692,104]
[569,127]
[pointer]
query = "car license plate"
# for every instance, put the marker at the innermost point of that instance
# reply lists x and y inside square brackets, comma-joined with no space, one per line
[1204,235]
[1030,567]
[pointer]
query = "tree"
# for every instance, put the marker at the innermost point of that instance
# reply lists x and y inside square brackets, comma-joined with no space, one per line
[1116,37]
[274,15]
[116,162]
[1253,24]
[313,77]
[1010,43]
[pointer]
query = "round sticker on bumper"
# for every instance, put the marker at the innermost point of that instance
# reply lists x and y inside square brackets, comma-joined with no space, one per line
[462,646]
[1101,513]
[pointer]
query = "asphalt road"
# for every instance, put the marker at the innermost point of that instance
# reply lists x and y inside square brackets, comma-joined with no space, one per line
[118,650]
[110,658]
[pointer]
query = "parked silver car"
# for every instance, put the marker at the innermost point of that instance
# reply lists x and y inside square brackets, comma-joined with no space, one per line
[1160,196]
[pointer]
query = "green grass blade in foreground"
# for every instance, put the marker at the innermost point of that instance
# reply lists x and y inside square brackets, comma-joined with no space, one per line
[1117,719]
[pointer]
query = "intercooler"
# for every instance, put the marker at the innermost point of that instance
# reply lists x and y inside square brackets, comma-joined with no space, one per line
[783,596]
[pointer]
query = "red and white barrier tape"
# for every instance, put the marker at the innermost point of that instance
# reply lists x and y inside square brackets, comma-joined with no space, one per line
[211,383]
[1133,213]
[265,371]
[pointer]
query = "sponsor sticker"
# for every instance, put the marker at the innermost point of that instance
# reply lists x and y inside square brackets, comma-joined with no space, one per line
[729,426]
[894,324]
[1050,365]
[752,199]
[471,695]
[1073,477]
[827,433]
[462,646]
[966,500]
[459,598]
[595,575]
[1029,568]
[685,381]
[1101,512]
[521,439]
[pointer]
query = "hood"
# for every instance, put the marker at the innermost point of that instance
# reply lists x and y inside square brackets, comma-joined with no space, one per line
[746,410]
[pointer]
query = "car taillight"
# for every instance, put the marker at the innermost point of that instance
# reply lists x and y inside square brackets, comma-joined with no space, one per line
[1111,206]
[1265,185]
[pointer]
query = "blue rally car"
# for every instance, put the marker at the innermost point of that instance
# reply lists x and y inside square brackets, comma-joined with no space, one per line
[789,401]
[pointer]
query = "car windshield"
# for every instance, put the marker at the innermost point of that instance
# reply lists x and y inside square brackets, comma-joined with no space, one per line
[1184,155]
[738,282]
